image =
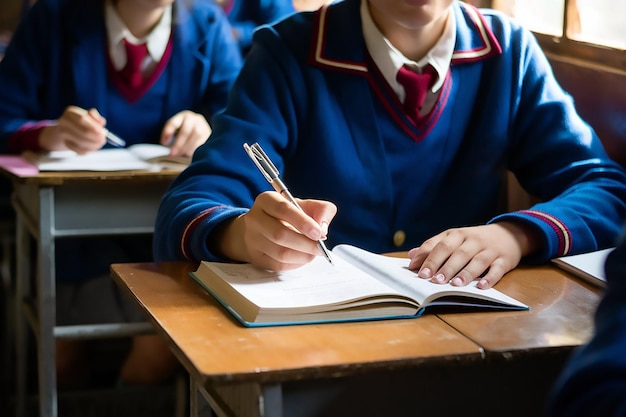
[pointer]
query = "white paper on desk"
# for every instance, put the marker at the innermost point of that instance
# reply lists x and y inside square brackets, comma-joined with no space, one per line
[588,266]
[119,159]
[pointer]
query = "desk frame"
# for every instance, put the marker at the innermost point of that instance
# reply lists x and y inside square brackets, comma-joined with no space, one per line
[50,206]
[522,351]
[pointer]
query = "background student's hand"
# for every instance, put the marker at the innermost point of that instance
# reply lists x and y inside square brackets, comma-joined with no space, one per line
[77,129]
[275,235]
[462,255]
[184,132]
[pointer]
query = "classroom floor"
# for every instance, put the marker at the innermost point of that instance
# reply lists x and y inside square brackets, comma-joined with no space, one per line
[135,402]
[101,398]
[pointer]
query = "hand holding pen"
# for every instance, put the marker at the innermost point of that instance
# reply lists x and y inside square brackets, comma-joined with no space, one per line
[111,138]
[78,130]
[271,174]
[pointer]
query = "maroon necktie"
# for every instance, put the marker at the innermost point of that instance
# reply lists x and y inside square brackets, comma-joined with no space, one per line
[135,55]
[416,86]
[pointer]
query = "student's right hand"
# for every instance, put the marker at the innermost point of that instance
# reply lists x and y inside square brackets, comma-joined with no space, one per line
[275,235]
[77,129]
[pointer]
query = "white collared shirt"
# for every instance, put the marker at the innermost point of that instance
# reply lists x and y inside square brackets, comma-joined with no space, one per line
[156,40]
[389,60]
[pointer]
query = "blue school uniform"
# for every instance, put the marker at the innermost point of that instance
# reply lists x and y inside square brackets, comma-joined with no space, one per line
[58,57]
[311,96]
[246,15]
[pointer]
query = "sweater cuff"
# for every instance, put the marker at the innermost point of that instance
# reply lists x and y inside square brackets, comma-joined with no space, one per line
[26,138]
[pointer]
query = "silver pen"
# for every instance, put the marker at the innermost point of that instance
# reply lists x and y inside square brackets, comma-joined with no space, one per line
[113,139]
[271,174]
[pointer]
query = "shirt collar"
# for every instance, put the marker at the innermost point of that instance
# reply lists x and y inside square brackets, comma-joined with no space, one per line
[117,31]
[388,59]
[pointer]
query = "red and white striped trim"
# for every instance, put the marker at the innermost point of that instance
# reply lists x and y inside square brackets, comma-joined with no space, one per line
[563,233]
[191,226]
[319,46]
[489,42]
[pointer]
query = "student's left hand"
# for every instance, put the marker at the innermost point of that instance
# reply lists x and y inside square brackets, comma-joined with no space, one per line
[460,256]
[184,132]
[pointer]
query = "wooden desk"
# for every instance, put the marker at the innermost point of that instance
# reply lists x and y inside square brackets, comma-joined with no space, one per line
[264,371]
[69,204]
[561,315]
[372,368]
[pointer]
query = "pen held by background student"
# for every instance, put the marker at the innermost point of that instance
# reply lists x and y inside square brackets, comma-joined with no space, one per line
[114,140]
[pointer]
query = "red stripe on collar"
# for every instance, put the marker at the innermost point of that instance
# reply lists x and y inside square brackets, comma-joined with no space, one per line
[490,45]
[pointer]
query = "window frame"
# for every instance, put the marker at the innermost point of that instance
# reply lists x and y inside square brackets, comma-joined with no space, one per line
[586,51]
[593,53]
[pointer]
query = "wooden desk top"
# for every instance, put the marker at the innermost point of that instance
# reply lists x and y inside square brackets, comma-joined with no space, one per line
[20,171]
[215,348]
[561,313]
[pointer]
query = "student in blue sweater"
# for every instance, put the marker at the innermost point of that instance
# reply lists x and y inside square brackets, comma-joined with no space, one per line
[593,382]
[326,95]
[246,15]
[67,75]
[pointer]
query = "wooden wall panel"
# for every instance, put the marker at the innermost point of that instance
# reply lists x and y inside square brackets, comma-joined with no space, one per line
[600,97]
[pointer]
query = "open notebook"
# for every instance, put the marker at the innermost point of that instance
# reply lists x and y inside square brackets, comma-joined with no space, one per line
[141,156]
[360,286]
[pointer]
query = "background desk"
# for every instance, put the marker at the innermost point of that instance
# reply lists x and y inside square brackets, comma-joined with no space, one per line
[70,204]
[394,367]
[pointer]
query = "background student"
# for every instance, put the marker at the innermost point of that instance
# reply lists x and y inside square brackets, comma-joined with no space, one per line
[593,382]
[333,97]
[246,15]
[142,69]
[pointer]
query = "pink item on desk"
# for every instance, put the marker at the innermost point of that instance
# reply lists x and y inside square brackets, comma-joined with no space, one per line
[17,165]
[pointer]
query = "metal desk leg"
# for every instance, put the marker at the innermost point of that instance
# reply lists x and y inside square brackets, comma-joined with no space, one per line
[198,405]
[271,400]
[22,290]
[43,319]
[46,305]
[247,399]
